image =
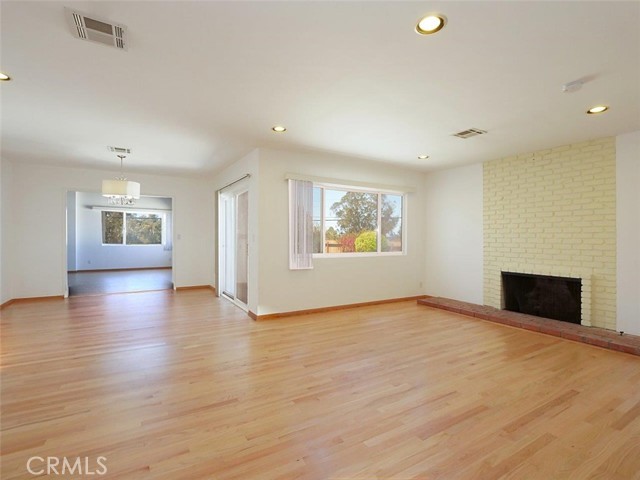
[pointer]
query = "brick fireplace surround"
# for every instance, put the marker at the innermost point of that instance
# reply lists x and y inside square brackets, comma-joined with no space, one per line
[553,212]
[570,331]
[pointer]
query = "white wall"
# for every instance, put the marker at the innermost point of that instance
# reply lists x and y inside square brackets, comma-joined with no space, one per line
[5,226]
[333,281]
[39,251]
[453,233]
[1,256]
[91,254]
[71,230]
[247,165]
[628,232]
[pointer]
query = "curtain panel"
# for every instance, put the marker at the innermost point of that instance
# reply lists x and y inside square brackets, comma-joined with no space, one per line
[300,225]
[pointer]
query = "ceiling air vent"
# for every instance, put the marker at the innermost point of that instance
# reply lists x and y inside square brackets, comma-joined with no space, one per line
[121,150]
[472,132]
[95,30]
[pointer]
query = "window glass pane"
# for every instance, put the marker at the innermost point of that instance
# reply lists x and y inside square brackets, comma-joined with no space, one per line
[112,228]
[317,220]
[351,220]
[391,212]
[144,229]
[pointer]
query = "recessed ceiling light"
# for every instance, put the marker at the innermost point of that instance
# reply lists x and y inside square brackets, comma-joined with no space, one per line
[4,77]
[423,157]
[279,129]
[432,23]
[597,109]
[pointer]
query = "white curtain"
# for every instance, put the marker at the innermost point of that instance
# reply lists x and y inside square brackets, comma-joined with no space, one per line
[300,225]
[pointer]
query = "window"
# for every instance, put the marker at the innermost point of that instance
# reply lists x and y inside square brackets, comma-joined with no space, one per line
[131,228]
[356,221]
[112,229]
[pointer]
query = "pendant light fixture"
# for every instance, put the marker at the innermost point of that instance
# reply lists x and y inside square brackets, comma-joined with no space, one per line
[121,191]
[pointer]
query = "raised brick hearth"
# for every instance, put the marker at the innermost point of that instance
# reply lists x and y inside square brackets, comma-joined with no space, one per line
[579,333]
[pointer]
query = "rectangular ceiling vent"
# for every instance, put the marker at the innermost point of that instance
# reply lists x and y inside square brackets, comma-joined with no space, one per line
[95,30]
[472,132]
[119,150]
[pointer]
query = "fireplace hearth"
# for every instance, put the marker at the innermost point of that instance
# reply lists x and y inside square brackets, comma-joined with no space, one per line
[545,296]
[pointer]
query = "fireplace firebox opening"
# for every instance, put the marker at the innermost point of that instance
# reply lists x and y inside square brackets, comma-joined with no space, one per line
[558,298]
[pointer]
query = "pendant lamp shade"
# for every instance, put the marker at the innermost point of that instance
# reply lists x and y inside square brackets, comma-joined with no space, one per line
[121,191]
[120,188]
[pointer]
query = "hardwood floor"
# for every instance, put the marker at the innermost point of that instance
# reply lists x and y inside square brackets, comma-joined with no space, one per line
[184,386]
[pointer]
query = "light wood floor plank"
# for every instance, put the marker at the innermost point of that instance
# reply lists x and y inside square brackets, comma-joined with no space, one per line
[185,386]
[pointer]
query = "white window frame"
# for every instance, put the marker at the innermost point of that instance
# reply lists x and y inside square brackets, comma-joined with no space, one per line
[379,192]
[163,234]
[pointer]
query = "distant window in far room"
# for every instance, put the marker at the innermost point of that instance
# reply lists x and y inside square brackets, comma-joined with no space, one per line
[112,228]
[131,228]
[144,229]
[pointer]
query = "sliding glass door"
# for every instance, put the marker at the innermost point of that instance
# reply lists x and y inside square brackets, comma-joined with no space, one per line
[242,246]
[233,228]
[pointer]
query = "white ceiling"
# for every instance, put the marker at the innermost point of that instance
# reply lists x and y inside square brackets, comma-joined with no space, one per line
[203,82]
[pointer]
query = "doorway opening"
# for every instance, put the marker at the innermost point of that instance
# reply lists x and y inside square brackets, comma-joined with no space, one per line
[118,249]
[233,242]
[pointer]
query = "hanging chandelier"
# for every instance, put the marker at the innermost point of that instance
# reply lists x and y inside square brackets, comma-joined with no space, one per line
[121,191]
